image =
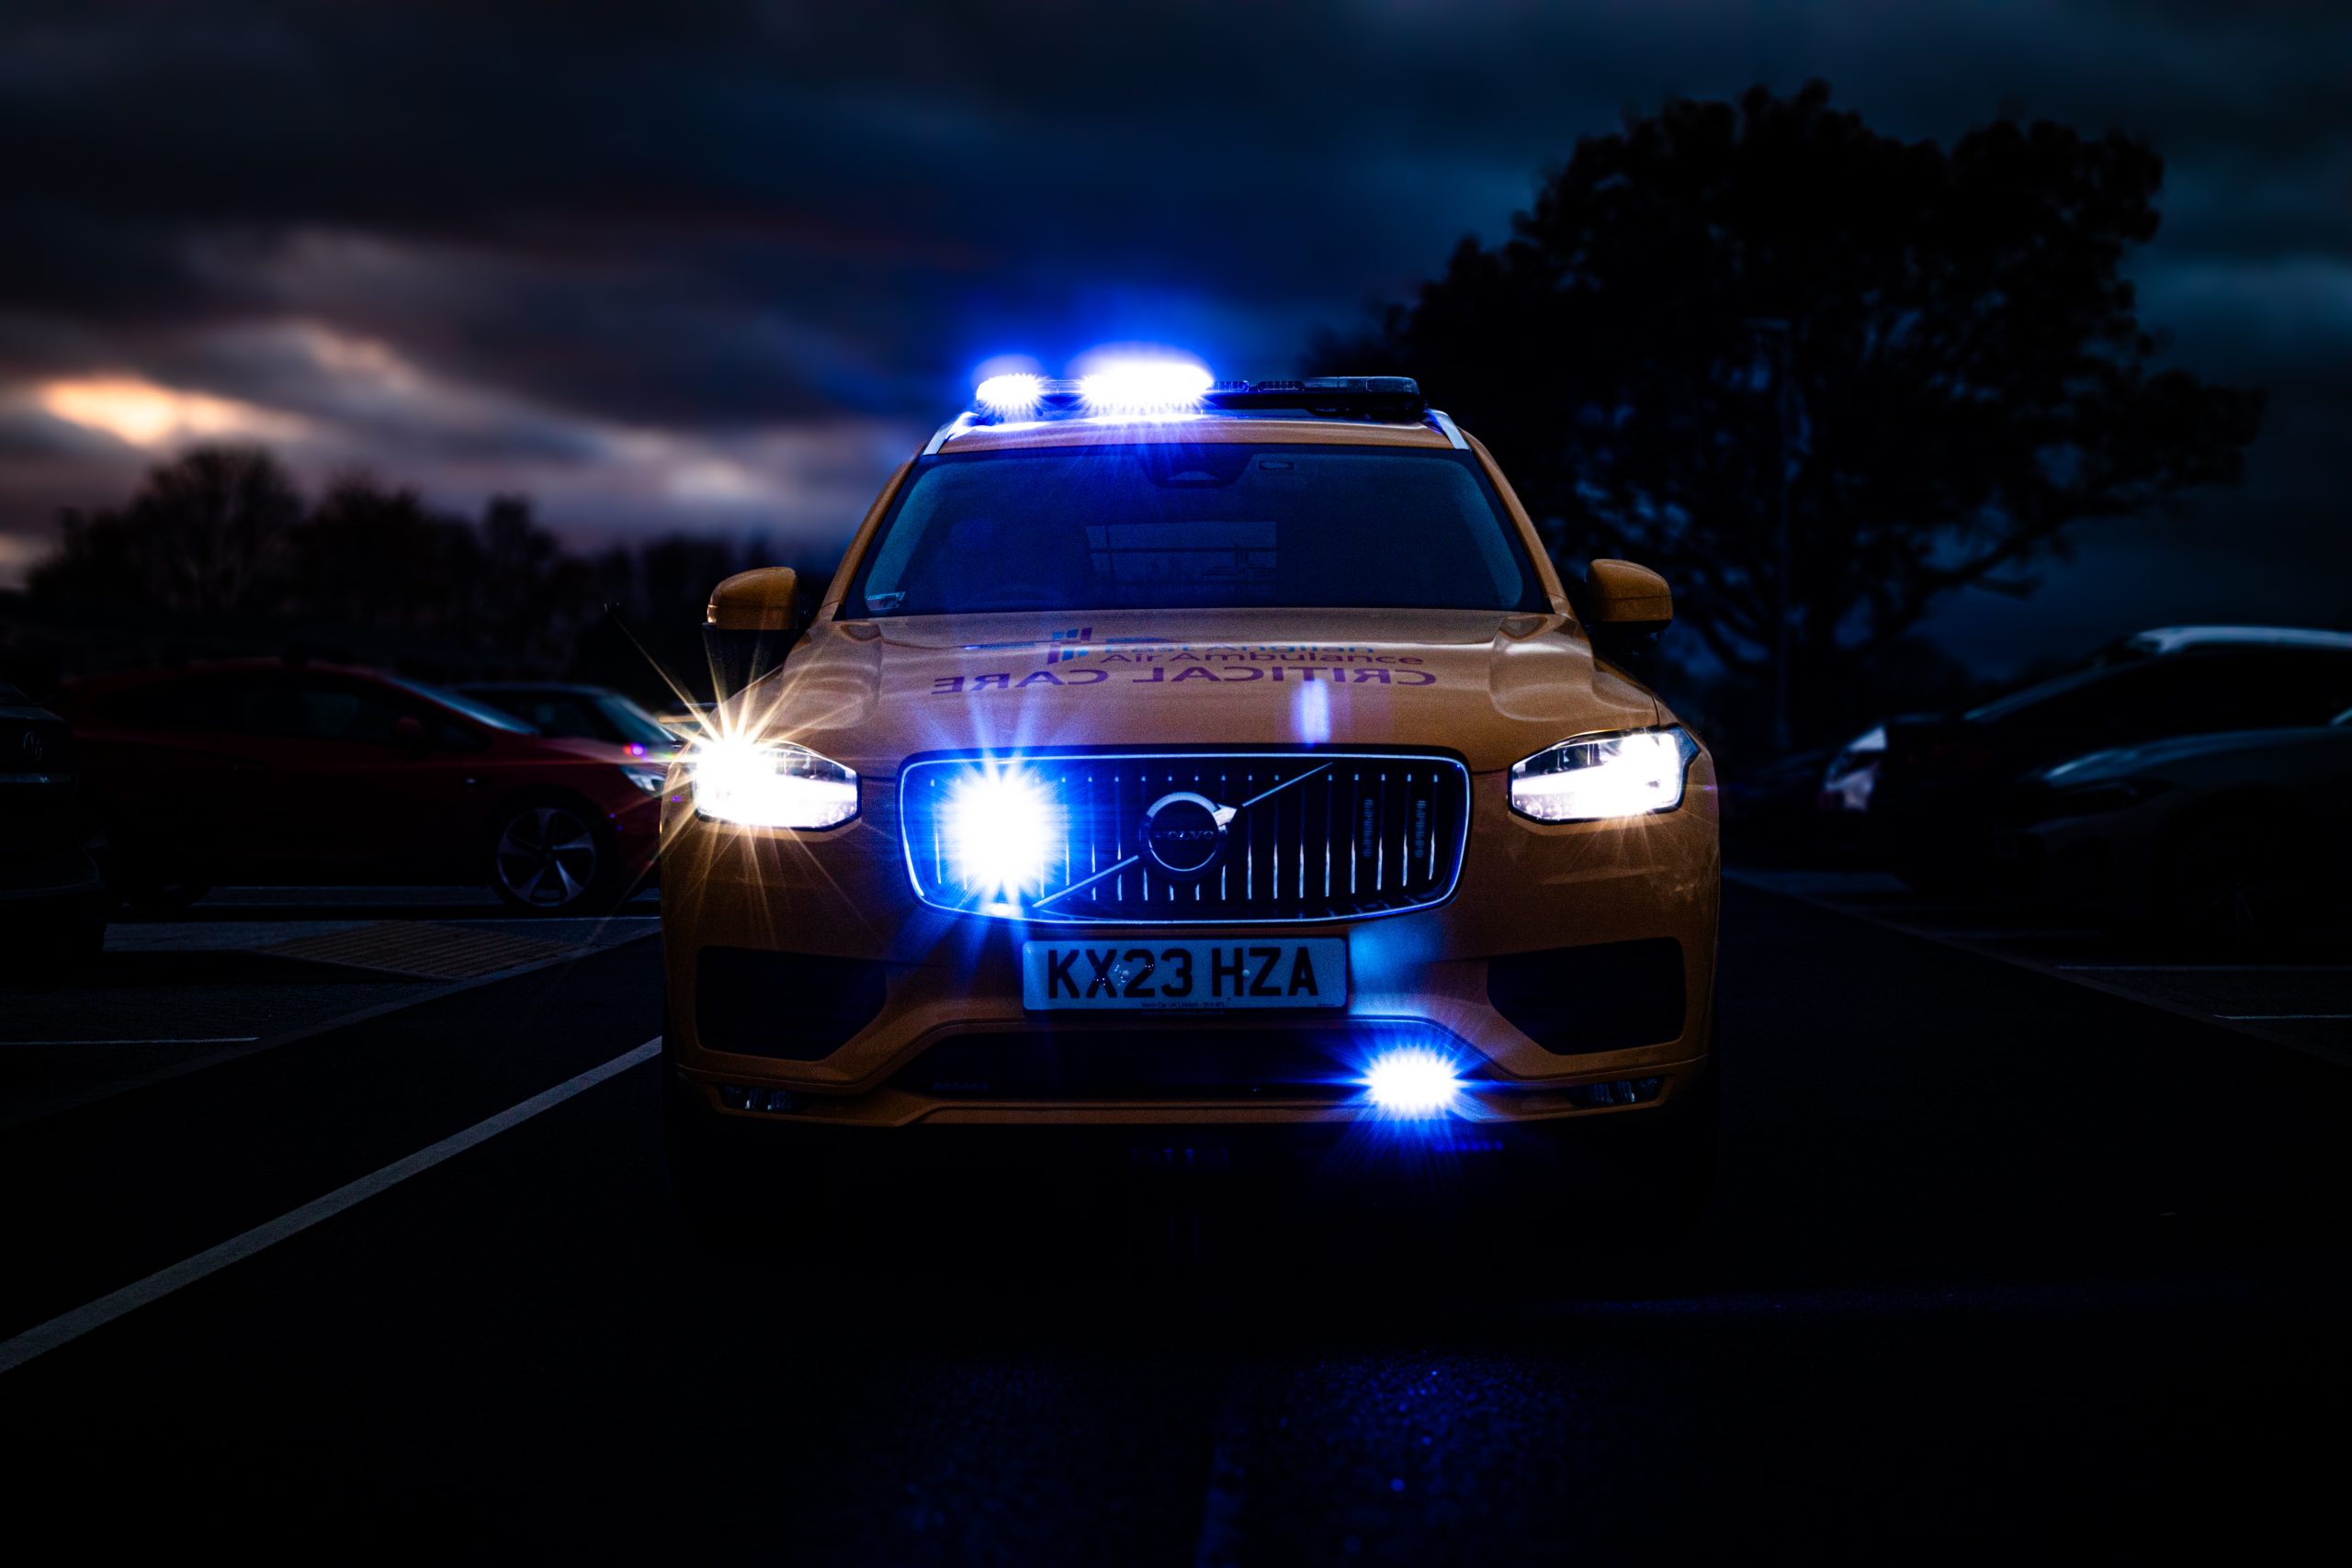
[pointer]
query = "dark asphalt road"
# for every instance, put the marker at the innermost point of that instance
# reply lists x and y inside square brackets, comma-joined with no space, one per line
[1998,1263]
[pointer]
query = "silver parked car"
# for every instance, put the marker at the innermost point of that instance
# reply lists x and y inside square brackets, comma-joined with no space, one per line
[2229,839]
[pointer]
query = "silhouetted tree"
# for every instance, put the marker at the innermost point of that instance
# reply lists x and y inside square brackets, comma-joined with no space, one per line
[1966,372]
[375,555]
[374,570]
[370,555]
[660,593]
[538,593]
[206,532]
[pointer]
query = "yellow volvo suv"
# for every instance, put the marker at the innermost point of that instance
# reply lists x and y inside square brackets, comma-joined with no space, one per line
[1177,754]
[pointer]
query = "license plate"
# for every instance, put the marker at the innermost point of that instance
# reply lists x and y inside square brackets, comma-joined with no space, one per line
[1182,976]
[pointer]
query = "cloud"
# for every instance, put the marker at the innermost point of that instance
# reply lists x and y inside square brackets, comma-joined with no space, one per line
[710,266]
[141,413]
[366,406]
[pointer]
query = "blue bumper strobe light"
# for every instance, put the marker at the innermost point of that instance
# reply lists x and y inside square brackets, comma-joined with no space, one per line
[1413,1081]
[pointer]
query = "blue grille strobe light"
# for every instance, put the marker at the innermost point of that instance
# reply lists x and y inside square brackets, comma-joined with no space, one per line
[1000,825]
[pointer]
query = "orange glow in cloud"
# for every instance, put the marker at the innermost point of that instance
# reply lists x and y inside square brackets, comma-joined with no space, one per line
[144,414]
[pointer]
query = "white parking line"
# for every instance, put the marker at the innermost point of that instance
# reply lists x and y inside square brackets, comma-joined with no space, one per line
[2005,933]
[1984,944]
[192,1040]
[2278,1017]
[413,993]
[2205,968]
[69,1327]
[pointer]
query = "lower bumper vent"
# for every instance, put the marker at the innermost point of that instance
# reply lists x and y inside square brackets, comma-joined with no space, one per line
[1270,1065]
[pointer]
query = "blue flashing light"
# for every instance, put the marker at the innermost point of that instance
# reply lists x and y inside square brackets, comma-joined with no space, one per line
[1144,388]
[1015,396]
[1000,824]
[1413,1081]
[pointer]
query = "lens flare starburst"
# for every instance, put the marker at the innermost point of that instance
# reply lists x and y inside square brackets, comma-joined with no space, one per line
[1000,825]
[1413,1081]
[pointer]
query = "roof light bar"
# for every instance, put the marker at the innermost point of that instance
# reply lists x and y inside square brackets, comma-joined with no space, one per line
[1169,389]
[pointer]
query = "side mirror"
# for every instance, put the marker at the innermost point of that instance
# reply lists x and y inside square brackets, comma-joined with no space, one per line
[1628,598]
[754,620]
[410,735]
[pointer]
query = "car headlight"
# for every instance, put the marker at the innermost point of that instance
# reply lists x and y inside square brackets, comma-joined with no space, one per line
[1597,777]
[770,785]
[646,777]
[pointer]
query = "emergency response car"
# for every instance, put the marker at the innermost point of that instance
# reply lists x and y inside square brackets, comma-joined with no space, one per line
[1178,754]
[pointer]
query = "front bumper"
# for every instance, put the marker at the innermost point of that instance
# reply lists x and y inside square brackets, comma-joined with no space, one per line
[941,982]
[62,883]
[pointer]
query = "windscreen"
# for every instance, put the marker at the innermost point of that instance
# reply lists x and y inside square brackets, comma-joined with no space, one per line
[1211,526]
[634,724]
[565,715]
[480,712]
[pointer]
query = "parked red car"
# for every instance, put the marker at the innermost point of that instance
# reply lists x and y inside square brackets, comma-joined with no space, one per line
[259,771]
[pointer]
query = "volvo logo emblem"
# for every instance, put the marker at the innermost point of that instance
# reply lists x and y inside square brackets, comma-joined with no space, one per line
[1183,833]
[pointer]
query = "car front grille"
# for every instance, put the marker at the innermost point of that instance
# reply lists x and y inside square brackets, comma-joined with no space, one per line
[1185,838]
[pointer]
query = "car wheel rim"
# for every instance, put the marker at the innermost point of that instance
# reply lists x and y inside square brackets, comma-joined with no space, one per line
[546,857]
[2232,882]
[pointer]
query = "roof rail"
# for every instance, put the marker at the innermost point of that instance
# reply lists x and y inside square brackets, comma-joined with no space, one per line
[1396,398]
[957,426]
[2178,640]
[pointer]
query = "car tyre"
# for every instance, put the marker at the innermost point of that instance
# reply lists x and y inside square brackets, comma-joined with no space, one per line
[56,952]
[144,884]
[1668,1170]
[741,1187]
[2234,883]
[1635,1182]
[707,1172]
[553,856]
[167,896]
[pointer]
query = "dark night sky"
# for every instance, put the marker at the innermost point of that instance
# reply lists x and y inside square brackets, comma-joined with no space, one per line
[716,266]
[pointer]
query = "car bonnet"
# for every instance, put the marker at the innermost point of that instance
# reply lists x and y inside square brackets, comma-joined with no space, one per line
[1490,687]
